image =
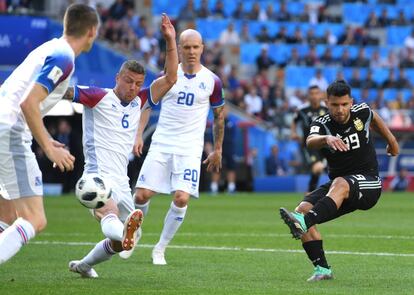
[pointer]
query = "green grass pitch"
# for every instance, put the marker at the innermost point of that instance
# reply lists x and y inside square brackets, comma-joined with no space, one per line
[227,245]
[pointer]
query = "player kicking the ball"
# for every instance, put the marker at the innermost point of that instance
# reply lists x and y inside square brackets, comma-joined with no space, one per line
[344,137]
[110,126]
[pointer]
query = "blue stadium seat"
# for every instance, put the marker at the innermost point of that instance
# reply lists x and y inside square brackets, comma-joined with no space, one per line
[409,73]
[380,75]
[249,52]
[299,76]
[279,53]
[356,95]
[355,13]
[396,35]
[390,94]
[211,29]
[164,6]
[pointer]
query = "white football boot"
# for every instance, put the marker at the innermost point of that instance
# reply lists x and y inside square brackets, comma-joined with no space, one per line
[158,257]
[131,226]
[83,269]
[128,253]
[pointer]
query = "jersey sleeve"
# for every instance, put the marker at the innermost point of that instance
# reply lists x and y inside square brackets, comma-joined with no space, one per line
[145,96]
[217,96]
[297,117]
[88,96]
[317,128]
[55,69]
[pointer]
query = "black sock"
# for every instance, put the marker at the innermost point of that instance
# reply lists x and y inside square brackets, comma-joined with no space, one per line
[315,252]
[324,210]
[313,182]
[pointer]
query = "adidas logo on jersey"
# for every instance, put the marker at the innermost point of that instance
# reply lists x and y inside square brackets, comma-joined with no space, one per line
[202,86]
[142,178]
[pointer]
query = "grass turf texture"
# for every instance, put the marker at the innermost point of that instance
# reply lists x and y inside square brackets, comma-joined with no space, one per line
[233,245]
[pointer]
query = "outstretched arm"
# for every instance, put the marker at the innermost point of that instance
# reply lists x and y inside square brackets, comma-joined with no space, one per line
[213,160]
[161,86]
[380,127]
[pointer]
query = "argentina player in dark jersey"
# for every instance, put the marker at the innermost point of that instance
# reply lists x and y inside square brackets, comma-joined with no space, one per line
[344,138]
[303,120]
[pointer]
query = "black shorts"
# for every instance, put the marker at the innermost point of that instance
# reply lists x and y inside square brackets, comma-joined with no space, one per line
[312,156]
[228,161]
[364,193]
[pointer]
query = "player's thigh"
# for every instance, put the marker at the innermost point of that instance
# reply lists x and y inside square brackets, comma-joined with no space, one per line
[20,175]
[155,174]
[364,192]
[124,202]
[109,208]
[186,174]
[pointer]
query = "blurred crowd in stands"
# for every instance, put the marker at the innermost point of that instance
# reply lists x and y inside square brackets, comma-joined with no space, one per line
[262,93]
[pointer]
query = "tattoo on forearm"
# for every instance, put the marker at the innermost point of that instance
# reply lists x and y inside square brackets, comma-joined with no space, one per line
[218,127]
[69,94]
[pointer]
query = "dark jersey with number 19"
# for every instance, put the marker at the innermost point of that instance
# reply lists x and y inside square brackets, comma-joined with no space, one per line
[361,157]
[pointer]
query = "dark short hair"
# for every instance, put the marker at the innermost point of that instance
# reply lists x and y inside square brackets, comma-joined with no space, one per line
[312,87]
[78,19]
[338,88]
[133,66]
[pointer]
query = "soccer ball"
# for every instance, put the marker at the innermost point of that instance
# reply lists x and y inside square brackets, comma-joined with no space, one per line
[93,191]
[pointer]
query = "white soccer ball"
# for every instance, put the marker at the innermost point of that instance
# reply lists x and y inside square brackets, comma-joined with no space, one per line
[93,191]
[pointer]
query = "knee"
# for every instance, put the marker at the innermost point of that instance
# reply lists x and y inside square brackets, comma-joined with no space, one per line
[109,208]
[304,207]
[341,184]
[142,195]
[39,223]
[181,199]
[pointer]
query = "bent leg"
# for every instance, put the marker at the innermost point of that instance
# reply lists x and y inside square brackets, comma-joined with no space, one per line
[327,207]
[312,240]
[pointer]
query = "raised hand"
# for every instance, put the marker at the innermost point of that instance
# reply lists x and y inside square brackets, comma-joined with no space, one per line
[167,28]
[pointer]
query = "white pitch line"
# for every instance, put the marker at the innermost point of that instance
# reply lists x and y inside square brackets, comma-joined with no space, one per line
[233,249]
[270,235]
